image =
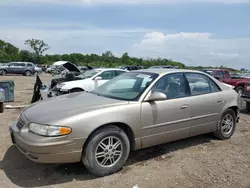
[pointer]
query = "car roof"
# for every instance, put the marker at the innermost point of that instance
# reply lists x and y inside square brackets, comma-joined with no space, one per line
[103,69]
[165,71]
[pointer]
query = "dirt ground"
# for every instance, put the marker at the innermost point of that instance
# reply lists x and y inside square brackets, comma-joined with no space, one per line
[198,162]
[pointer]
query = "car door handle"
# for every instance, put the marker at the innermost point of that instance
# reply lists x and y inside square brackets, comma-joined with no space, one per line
[184,107]
[220,101]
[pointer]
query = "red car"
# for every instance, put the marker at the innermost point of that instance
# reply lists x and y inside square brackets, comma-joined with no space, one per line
[241,84]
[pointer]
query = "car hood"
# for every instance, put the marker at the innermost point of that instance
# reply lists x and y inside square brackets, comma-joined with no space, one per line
[67,65]
[57,108]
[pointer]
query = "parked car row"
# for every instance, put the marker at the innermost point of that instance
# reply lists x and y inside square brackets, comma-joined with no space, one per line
[133,110]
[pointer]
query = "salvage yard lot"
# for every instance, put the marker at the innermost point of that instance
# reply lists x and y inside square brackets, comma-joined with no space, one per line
[201,161]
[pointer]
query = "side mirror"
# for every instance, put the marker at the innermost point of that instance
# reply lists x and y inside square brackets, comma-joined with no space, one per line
[98,78]
[156,96]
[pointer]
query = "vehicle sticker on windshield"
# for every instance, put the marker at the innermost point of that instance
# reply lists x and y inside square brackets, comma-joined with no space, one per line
[143,76]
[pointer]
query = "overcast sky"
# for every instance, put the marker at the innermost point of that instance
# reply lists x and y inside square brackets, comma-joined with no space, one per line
[195,32]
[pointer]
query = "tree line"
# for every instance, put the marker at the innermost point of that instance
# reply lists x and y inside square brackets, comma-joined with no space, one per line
[9,52]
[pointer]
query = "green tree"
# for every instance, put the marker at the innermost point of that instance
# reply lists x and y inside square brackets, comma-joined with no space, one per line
[39,46]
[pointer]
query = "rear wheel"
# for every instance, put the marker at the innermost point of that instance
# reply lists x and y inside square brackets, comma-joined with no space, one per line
[107,151]
[3,72]
[226,126]
[27,73]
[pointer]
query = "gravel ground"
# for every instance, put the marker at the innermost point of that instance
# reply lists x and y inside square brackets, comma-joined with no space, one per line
[200,161]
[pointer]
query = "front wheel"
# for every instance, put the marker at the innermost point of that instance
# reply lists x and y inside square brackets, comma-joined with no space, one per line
[226,125]
[107,151]
[3,72]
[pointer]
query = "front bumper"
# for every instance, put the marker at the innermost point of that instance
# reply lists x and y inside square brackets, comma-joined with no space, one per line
[46,149]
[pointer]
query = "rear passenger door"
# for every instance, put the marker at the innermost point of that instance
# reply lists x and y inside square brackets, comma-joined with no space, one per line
[206,103]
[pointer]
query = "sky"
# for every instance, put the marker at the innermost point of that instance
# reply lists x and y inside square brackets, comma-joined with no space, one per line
[195,32]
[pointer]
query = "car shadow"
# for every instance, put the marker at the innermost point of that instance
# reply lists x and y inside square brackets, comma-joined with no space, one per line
[25,173]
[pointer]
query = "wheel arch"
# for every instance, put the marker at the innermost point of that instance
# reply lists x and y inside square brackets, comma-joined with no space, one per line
[4,70]
[126,128]
[75,88]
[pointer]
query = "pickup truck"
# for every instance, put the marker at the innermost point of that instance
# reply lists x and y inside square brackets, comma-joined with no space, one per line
[241,84]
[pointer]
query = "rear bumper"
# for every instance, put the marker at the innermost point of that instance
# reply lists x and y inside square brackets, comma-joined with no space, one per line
[51,151]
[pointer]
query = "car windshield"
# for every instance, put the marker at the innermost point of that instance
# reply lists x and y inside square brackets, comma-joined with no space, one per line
[210,72]
[89,73]
[127,86]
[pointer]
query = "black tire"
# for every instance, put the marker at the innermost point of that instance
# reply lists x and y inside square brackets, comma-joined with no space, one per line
[74,90]
[219,133]
[27,73]
[248,106]
[89,159]
[3,72]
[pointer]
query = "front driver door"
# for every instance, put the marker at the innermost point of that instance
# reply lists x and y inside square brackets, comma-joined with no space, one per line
[169,120]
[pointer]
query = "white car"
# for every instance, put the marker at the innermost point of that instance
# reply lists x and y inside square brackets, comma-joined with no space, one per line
[90,80]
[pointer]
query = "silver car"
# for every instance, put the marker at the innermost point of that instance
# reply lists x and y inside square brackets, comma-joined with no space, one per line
[132,111]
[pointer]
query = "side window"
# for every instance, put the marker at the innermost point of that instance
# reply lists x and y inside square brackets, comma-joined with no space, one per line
[29,65]
[119,72]
[227,75]
[107,75]
[219,74]
[173,85]
[15,65]
[198,84]
[21,64]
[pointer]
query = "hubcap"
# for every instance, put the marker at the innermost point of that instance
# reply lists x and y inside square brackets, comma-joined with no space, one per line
[227,124]
[108,151]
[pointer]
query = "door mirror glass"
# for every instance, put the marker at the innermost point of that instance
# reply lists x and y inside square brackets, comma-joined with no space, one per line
[98,78]
[156,96]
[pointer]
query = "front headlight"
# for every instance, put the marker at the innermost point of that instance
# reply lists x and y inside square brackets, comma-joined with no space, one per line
[46,130]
